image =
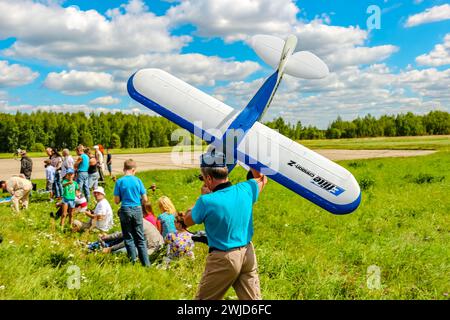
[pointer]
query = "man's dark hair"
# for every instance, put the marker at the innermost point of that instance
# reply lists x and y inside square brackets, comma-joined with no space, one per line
[215,172]
[2,183]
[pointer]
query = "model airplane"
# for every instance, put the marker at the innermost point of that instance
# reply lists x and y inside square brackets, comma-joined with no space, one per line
[296,167]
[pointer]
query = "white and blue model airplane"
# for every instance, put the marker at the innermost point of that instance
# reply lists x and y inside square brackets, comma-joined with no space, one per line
[296,167]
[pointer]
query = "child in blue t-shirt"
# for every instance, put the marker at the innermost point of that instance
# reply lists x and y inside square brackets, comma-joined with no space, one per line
[130,192]
[167,216]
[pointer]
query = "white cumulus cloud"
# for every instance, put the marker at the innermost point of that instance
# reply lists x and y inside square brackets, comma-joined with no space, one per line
[13,75]
[351,92]
[236,20]
[56,34]
[195,68]
[5,107]
[75,82]
[433,14]
[360,55]
[104,101]
[439,56]
[120,42]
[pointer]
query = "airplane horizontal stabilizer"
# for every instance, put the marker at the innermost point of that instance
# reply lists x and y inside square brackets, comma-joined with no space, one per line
[302,64]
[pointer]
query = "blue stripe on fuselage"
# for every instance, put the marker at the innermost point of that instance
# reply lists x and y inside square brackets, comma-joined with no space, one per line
[254,109]
[246,119]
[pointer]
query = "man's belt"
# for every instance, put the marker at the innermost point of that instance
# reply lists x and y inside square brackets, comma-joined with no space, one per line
[211,249]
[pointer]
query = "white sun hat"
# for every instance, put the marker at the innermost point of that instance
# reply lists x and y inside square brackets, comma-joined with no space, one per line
[100,190]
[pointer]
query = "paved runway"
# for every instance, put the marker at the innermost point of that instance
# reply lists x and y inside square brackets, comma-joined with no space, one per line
[153,161]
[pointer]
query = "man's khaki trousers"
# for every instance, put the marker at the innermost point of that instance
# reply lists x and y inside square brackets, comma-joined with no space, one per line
[236,268]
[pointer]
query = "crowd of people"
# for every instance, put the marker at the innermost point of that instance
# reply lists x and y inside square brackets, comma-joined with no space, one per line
[70,182]
[226,211]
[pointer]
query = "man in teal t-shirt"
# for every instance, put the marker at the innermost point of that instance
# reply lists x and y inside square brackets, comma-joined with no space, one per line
[227,212]
[82,165]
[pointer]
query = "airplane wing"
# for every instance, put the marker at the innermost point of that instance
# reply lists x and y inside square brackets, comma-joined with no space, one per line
[298,168]
[181,103]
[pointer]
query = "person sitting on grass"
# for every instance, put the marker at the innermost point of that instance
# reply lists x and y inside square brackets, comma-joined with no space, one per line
[150,216]
[180,243]
[167,216]
[81,203]
[68,197]
[113,243]
[101,218]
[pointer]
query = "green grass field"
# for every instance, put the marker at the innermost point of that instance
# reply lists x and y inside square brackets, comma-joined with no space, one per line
[402,143]
[304,252]
[397,143]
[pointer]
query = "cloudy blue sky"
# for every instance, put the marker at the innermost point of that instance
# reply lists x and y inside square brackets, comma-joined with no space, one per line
[78,55]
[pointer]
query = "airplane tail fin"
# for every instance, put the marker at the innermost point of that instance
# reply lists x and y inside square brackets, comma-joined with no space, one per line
[279,54]
[302,64]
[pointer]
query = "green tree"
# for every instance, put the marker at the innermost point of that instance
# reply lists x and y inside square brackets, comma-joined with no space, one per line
[333,133]
[86,139]
[128,136]
[37,147]
[72,136]
[437,122]
[115,141]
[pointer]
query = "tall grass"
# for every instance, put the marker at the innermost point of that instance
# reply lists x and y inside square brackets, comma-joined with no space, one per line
[402,227]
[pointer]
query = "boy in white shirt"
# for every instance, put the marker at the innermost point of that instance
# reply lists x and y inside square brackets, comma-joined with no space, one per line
[50,176]
[102,217]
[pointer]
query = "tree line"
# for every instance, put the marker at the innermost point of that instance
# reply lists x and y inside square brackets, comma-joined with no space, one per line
[409,124]
[66,130]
